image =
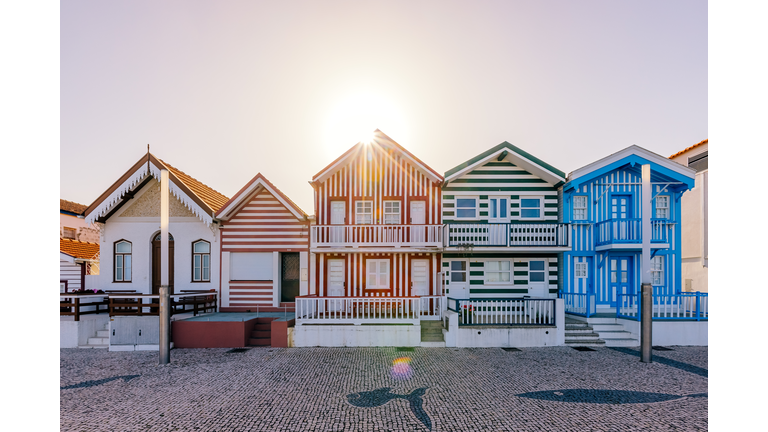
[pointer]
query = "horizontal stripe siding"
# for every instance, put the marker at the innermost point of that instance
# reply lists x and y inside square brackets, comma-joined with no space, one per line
[478,288]
[264,224]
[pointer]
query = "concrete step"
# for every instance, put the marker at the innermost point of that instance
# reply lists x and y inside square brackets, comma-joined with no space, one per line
[578,329]
[261,334]
[429,344]
[102,334]
[438,330]
[89,346]
[622,342]
[262,327]
[581,336]
[590,343]
[98,341]
[621,334]
[608,327]
[433,338]
[260,341]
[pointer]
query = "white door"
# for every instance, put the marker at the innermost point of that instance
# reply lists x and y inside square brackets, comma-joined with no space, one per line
[336,284]
[458,279]
[338,211]
[538,279]
[418,219]
[420,277]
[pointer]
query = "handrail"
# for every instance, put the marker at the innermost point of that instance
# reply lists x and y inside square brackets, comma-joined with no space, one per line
[665,307]
[552,234]
[376,234]
[629,230]
[358,310]
[509,311]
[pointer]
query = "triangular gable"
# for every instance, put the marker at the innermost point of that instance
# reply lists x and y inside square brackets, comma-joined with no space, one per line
[127,185]
[380,139]
[634,156]
[517,156]
[251,189]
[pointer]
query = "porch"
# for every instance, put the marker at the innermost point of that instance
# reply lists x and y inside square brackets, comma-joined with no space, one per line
[680,307]
[376,235]
[314,309]
[508,235]
[129,303]
[504,311]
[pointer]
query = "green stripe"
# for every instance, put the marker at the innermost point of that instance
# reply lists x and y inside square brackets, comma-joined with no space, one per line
[476,273]
[476,282]
[514,214]
[498,180]
[553,290]
[524,264]
[499,164]
[514,197]
[499,172]
[484,213]
[476,264]
[521,282]
[448,205]
[483,205]
[521,273]
[553,273]
[500,291]
[498,147]
[499,189]
[482,197]
[447,213]
[445,264]
[447,197]
[550,205]
[514,205]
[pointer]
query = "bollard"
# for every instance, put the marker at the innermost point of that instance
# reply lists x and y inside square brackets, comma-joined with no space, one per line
[646,324]
[165,325]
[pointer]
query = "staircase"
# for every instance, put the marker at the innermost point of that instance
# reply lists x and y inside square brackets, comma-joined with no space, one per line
[614,334]
[261,335]
[581,334]
[101,340]
[432,334]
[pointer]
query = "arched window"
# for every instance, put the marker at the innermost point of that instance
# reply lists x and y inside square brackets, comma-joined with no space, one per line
[122,272]
[201,261]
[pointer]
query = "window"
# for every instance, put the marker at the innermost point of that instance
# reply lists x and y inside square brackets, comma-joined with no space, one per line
[392,212]
[536,271]
[201,261]
[662,207]
[364,212]
[69,233]
[531,208]
[580,269]
[458,271]
[378,274]
[250,266]
[466,208]
[580,208]
[123,261]
[657,270]
[499,209]
[497,271]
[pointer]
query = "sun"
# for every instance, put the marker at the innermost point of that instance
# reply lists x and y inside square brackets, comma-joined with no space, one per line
[355,117]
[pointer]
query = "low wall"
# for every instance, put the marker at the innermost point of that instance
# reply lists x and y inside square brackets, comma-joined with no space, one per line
[213,334]
[680,333]
[73,333]
[308,335]
[505,336]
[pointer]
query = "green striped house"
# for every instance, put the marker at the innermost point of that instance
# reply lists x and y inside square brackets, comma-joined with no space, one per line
[501,211]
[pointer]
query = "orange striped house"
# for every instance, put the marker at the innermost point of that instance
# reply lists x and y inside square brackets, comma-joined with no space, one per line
[264,249]
[378,228]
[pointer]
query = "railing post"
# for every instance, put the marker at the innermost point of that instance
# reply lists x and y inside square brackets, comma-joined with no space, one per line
[698,306]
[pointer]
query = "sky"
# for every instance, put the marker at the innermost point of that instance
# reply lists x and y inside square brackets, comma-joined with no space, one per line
[225,90]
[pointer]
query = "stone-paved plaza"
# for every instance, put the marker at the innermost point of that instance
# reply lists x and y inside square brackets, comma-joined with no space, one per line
[384,389]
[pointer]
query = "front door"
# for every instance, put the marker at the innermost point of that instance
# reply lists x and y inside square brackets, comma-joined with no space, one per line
[582,282]
[156,264]
[418,218]
[458,286]
[538,279]
[336,284]
[420,277]
[619,281]
[289,276]
[338,212]
[623,228]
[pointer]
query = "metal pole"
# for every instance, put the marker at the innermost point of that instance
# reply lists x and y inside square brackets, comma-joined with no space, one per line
[165,308]
[646,317]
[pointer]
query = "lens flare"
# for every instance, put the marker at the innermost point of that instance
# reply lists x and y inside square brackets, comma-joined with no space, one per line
[401,368]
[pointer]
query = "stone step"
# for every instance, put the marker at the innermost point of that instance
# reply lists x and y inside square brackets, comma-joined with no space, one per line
[578,330]
[621,334]
[622,342]
[593,343]
[607,327]
[260,341]
[438,330]
[430,344]
[262,327]
[432,338]
[93,346]
[261,334]
[98,341]
[102,333]
[581,335]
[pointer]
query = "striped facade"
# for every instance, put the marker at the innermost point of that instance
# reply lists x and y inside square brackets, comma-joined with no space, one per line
[378,224]
[608,264]
[70,272]
[259,226]
[482,264]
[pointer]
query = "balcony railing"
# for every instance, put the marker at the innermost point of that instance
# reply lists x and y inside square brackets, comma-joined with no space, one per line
[536,312]
[358,310]
[629,231]
[508,234]
[683,306]
[377,235]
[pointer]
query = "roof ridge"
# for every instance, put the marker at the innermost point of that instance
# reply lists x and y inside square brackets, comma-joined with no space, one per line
[78,241]
[706,141]
[213,201]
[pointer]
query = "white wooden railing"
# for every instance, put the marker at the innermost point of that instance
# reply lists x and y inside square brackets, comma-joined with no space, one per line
[358,310]
[504,311]
[507,234]
[377,235]
[432,307]
[683,306]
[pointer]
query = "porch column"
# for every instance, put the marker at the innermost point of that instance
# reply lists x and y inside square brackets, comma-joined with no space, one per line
[646,319]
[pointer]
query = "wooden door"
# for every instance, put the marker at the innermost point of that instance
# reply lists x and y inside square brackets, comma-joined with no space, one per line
[338,213]
[458,279]
[289,276]
[619,280]
[336,278]
[418,219]
[419,277]
[156,265]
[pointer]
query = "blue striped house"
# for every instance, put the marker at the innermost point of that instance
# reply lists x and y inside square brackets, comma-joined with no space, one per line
[502,233]
[602,205]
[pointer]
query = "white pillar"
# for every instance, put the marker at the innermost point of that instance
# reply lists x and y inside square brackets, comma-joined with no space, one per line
[645,203]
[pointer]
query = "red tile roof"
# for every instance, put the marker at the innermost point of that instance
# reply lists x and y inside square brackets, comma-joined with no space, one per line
[214,199]
[78,249]
[689,148]
[71,207]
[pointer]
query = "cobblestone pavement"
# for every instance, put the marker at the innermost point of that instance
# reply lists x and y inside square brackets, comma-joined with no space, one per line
[334,389]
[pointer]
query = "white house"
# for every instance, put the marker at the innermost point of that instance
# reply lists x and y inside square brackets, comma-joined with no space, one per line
[128,214]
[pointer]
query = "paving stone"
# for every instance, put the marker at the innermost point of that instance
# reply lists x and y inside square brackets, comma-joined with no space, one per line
[355,389]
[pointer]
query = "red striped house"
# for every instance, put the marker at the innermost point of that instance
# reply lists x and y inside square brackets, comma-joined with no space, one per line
[264,249]
[378,224]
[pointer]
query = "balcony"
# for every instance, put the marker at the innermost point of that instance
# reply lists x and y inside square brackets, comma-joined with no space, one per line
[376,235]
[629,232]
[508,235]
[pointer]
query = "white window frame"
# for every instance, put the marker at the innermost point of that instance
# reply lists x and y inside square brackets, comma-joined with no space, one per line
[369,263]
[545,271]
[585,208]
[498,199]
[465,272]
[125,276]
[389,212]
[202,266]
[657,271]
[475,208]
[500,271]
[541,206]
[657,207]
[360,215]
[580,269]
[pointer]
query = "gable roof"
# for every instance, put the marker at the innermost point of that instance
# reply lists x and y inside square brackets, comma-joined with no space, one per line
[251,188]
[79,250]
[632,155]
[706,141]
[202,200]
[519,156]
[71,207]
[379,138]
